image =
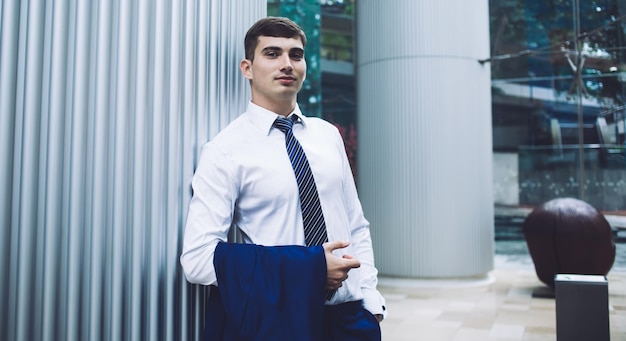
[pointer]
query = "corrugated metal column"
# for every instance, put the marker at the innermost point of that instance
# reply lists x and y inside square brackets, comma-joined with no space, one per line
[424,154]
[104,106]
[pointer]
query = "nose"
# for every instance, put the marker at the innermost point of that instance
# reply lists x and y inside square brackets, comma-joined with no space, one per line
[286,63]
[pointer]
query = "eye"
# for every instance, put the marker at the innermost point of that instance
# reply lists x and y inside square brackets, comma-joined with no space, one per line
[271,54]
[296,55]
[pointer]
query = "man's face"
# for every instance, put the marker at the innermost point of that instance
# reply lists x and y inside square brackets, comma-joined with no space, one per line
[278,70]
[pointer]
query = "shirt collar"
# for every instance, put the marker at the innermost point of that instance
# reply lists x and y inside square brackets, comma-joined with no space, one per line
[264,119]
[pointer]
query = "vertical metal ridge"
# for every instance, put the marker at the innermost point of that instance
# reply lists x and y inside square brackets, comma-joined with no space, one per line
[104,107]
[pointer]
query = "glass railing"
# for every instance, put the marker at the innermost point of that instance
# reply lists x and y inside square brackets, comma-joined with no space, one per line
[547,172]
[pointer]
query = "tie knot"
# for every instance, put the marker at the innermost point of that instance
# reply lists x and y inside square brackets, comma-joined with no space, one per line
[285,124]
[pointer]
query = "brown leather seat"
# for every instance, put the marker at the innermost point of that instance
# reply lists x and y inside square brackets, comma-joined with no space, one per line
[568,236]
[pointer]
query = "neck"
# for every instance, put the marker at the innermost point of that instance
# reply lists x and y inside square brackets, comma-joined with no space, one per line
[283,108]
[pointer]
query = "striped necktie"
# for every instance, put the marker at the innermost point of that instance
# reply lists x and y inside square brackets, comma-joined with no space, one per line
[312,216]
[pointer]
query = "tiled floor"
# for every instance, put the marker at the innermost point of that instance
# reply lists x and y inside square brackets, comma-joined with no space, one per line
[500,307]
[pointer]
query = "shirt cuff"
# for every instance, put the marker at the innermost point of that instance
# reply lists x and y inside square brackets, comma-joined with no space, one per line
[374,302]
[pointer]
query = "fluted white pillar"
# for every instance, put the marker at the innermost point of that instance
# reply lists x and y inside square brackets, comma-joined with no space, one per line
[425,149]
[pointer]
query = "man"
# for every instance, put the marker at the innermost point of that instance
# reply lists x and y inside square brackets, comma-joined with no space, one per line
[288,280]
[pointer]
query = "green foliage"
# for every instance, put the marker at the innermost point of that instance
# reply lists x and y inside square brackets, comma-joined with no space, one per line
[546,29]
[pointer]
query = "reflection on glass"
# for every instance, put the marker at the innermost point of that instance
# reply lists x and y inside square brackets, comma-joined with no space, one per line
[558,94]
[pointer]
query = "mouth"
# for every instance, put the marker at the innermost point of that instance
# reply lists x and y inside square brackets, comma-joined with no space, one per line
[286,80]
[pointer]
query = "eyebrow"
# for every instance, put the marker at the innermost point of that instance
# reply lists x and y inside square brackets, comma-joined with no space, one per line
[278,49]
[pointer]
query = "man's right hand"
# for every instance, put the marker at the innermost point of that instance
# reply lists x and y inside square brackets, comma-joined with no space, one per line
[337,268]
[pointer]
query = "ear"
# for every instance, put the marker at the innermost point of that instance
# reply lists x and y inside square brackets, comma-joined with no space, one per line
[246,68]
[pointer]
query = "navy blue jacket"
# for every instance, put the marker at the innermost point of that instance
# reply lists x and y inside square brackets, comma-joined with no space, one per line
[267,293]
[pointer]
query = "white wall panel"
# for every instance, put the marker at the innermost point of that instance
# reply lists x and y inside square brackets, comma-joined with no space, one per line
[104,106]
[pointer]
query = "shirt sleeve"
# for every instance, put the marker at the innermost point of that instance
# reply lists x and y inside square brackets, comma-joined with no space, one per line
[361,242]
[210,214]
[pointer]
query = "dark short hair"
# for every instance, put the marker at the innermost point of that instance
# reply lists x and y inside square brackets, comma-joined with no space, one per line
[271,27]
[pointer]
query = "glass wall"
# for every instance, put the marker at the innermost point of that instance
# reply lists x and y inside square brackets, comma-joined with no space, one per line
[558,76]
[558,72]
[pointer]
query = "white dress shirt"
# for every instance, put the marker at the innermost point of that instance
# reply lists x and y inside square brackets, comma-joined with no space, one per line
[244,177]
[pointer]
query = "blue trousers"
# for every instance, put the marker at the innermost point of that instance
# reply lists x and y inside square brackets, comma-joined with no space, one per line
[350,322]
[343,322]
